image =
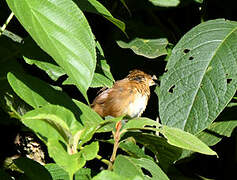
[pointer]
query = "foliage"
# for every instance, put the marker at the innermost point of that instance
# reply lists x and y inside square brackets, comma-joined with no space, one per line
[61,48]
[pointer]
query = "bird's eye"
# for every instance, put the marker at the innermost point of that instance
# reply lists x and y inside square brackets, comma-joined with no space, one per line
[138,78]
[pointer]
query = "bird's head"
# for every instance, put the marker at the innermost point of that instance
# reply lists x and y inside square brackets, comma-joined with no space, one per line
[142,77]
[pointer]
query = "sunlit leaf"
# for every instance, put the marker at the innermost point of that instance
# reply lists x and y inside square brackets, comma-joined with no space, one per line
[61,30]
[201,77]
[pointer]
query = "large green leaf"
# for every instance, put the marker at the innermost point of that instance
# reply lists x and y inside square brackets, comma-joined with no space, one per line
[60,29]
[201,77]
[150,48]
[185,140]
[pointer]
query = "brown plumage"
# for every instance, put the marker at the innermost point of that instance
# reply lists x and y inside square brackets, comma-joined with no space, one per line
[128,96]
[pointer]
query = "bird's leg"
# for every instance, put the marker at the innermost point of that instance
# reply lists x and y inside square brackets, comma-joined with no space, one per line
[116,135]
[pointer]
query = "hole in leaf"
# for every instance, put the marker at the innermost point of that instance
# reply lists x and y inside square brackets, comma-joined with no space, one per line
[228,81]
[146,172]
[226,74]
[171,89]
[191,58]
[186,51]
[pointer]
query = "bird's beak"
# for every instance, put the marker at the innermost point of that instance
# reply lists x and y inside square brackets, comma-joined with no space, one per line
[154,78]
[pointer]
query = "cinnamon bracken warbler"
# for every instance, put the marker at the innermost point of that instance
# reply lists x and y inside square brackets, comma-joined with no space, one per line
[128,96]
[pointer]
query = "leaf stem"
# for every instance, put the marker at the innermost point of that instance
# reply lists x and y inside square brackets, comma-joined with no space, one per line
[6,23]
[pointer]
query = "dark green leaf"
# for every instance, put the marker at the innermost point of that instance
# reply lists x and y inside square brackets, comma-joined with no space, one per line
[4,175]
[32,169]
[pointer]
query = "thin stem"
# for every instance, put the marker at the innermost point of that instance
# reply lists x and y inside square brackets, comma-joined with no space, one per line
[103,160]
[6,23]
[203,10]
[116,144]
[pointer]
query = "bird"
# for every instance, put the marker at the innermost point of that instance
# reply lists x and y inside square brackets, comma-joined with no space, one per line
[127,97]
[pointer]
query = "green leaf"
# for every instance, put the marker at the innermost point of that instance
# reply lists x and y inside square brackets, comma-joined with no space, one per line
[32,54]
[201,77]
[37,93]
[102,75]
[4,175]
[131,167]
[111,176]
[125,167]
[199,1]
[185,140]
[132,149]
[150,48]
[165,153]
[32,169]
[90,151]
[165,3]
[96,7]
[217,131]
[108,124]
[57,117]
[88,116]
[83,174]
[57,172]
[71,163]
[140,123]
[63,32]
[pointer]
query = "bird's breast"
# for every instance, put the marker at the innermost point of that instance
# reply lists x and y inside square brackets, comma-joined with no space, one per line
[137,106]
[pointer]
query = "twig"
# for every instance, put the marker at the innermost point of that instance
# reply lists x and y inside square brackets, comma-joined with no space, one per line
[116,144]
[6,23]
